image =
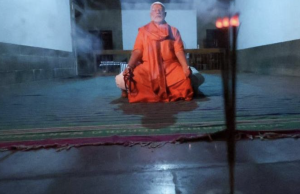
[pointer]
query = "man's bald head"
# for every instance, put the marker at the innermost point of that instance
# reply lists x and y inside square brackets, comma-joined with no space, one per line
[157,3]
[157,12]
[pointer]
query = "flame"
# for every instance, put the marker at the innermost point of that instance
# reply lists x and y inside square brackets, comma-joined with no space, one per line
[234,21]
[226,22]
[219,23]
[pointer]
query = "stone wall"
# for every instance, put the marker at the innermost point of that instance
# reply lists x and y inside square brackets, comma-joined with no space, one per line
[24,64]
[275,59]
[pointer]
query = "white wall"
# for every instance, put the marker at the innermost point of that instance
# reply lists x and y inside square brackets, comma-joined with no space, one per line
[184,20]
[266,22]
[37,23]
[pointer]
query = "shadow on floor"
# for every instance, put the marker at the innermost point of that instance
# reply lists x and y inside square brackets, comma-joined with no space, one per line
[159,115]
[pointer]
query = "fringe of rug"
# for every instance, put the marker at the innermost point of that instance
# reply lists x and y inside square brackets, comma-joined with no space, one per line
[240,135]
[267,135]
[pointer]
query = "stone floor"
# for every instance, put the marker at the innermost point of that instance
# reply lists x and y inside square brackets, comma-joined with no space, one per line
[262,166]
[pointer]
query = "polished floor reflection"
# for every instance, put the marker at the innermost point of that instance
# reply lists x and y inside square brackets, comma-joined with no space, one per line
[263,166]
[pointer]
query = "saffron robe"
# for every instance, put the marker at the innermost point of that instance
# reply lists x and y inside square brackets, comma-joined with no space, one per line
[159,77]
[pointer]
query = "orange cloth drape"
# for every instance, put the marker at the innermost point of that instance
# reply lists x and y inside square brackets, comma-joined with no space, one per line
[159,77]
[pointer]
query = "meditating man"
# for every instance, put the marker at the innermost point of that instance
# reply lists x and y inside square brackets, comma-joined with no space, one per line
[157,70]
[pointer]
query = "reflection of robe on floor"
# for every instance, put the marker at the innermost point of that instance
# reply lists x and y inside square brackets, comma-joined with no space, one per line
[160,76]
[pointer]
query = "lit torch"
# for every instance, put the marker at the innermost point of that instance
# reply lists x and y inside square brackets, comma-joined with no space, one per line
[229,27]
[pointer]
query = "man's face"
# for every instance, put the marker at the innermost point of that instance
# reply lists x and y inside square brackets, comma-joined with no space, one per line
[158,14]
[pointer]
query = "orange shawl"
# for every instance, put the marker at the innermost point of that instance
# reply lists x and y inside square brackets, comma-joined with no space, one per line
[156,34]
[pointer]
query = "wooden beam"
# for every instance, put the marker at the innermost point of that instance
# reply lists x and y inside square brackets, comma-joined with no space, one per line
[128,52]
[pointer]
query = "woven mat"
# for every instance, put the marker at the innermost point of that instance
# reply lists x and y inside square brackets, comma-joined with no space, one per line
[89,111]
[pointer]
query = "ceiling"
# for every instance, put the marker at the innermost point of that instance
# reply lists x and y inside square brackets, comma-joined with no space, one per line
[116,4]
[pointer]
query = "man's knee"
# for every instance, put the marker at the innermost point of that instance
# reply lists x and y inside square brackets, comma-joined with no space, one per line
[196,80]
[120,81]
